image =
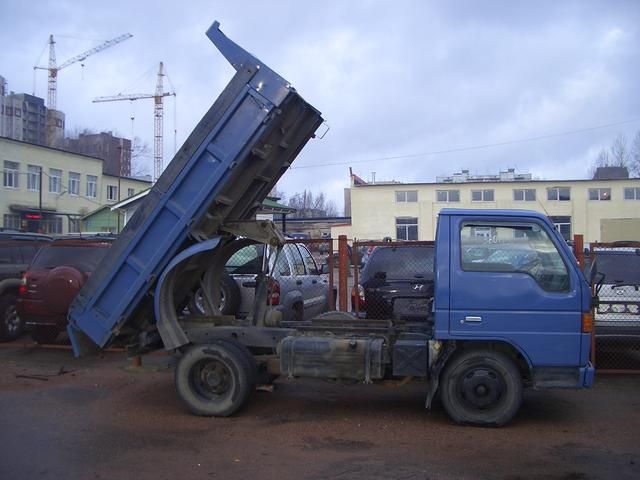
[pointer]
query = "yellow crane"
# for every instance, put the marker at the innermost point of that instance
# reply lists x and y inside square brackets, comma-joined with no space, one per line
[158,117]
[52,89]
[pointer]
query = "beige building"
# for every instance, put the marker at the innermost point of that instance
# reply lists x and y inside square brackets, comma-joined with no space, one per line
[601,210]
[71,185]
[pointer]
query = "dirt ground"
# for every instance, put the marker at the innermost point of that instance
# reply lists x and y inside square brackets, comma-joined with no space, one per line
[96,418]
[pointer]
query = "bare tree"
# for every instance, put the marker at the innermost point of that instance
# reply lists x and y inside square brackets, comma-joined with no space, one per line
[619,154]
[309,205]
[277,193]
[635,155]
[140,158]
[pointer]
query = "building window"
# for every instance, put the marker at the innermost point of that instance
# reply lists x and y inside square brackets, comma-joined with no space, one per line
[112,192]
[632,193]
[92,182]
[33,178]
[74,183]
[55,180]
[11,221]
[407,196]
[561,194]
[406,228]
[130,192]
[11,174]
[74,225]
[602,194]
[524,195]
[54,225]
[482,195]
[448,196]
[563,225]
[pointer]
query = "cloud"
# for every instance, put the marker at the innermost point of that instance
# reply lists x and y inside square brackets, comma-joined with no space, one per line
[391,79]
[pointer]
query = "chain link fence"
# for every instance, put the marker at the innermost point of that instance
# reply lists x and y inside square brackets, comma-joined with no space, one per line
[614,272]
[392,280]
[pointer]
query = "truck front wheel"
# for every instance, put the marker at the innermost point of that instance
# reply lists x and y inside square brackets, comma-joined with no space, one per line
[215,379]
[481,387]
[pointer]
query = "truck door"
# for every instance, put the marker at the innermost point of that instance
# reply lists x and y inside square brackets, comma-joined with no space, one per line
[510,281]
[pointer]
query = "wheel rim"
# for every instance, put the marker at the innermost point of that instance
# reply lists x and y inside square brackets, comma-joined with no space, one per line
[199,300]
[11,320]
[481,388]
[211,378]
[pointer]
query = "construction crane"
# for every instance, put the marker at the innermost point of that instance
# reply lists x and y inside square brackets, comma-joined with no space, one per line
[158,117]
[52,90]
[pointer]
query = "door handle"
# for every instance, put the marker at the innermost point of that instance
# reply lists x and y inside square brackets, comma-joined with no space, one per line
[471,319]
[314,281]
[298,282]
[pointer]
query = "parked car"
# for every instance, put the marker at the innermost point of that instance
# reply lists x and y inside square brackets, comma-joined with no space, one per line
[617,276]
[17,249]
[396,282]
[297,287]
[52,281]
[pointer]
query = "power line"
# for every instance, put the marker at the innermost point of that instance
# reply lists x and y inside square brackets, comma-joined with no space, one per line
[475,147]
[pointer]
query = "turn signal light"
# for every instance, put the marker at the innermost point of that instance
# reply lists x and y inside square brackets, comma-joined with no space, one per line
[587,322]
[273,292]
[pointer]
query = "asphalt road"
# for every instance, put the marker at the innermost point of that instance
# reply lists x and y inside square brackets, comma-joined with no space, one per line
[63,418]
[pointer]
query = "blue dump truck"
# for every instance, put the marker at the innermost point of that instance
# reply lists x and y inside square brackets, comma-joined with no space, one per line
[510,307]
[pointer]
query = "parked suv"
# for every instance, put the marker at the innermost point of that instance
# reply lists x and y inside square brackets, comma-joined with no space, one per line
[16,251]
[52,281]
[396,282]
[617,276]
[297,288]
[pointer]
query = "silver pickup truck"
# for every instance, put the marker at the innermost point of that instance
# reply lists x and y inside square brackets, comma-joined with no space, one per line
[296,286]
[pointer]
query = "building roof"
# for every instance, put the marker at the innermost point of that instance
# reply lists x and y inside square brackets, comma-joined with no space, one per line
[510,182]
[269,204]
[37,145]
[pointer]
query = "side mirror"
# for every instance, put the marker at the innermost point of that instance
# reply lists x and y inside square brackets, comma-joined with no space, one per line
[324,269]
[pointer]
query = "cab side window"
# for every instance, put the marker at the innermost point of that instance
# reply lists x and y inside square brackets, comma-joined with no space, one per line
[282,264]
[310,263]
[514,248]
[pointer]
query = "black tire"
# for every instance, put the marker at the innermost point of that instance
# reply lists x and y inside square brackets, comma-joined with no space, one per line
[230,294]
[298,312]
[44,334]
[481,387]
[215,379]
[11,325]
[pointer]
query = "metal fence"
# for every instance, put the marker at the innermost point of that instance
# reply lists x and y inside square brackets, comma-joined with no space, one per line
[614,271]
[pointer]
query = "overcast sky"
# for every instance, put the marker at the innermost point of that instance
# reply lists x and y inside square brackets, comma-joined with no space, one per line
[405,86]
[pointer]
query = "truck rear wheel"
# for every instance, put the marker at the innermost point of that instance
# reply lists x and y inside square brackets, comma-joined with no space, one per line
[215,379]
[481,387]
[11,325]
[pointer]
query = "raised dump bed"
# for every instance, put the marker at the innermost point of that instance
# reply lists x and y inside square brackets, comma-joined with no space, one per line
[222,173]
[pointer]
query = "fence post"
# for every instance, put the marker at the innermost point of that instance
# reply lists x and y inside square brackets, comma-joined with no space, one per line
[343,267]
[578,248]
